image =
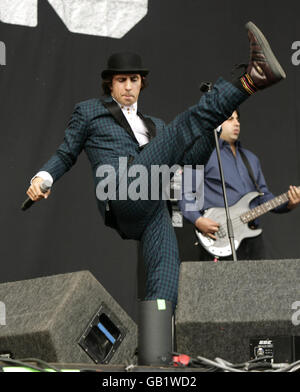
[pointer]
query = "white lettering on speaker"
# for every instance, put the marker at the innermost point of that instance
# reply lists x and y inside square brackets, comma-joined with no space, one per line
[106,18]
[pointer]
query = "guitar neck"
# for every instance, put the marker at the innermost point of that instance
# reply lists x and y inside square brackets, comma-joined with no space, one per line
[262,209]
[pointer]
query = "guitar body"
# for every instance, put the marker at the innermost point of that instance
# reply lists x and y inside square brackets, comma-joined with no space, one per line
[221,247]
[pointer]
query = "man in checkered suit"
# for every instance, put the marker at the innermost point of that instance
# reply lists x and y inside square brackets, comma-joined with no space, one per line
[112,128]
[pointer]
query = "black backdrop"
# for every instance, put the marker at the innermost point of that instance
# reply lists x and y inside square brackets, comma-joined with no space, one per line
[49,69]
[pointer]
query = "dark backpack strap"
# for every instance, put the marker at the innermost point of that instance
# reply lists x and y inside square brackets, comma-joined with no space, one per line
[247,164]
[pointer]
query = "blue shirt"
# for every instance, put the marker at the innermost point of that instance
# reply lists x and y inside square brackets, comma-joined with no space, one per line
[237,180]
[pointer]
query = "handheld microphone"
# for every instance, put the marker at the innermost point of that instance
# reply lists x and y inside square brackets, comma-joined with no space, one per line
[205,87]
[44,187]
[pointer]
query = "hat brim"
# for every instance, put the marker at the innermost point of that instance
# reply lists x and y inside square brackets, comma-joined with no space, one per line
[109,72]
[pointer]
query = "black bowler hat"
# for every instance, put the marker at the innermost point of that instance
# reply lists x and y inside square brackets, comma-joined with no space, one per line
[124,63]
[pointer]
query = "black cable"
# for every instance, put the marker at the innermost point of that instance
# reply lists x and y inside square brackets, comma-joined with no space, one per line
[262,365]
[20,363]
[255,360]
[260,359]
[40,361]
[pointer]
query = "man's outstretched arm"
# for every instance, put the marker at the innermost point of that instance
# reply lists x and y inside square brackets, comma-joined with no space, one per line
[64,157]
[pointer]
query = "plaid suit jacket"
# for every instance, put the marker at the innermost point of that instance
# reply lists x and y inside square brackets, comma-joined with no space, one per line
[93,129]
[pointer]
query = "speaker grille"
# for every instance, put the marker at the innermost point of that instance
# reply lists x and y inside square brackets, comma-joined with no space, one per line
[46,316]
[223,305]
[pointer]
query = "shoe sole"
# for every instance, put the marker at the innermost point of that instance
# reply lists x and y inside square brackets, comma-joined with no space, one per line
[273,62]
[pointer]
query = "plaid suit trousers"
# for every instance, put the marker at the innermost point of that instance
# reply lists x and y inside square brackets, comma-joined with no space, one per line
[189,140]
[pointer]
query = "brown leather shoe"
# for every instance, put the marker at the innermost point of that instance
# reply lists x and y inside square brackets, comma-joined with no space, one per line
[263,67]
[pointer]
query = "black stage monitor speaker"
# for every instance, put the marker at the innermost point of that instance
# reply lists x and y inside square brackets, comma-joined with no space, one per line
[68,318]
[223,306]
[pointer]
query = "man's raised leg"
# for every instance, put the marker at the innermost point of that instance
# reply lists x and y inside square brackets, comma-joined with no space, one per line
[215,107]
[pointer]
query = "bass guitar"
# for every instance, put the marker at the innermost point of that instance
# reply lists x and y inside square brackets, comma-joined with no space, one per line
[241,215]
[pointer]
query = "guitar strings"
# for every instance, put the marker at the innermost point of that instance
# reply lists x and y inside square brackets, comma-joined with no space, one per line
[223,227]
[250,212]
[238,221]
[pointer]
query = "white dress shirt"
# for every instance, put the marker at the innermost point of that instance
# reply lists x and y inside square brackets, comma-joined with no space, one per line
[135,122]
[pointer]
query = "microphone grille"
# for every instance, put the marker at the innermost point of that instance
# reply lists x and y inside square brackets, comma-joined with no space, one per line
[45,186]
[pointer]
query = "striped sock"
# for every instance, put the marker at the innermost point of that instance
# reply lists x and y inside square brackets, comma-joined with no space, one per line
[248,84]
